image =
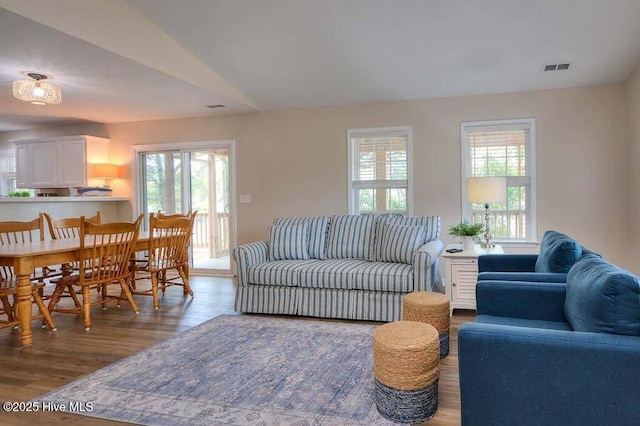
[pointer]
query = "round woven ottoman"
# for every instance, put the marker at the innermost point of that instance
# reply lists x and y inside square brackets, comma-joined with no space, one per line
[406,367]
[431,308]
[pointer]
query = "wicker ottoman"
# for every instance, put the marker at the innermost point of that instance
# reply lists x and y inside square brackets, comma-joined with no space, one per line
[406,367]
[431,308]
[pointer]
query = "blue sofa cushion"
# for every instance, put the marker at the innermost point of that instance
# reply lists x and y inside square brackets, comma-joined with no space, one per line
[602,298]
[558,253]
[288,242]
[521,322]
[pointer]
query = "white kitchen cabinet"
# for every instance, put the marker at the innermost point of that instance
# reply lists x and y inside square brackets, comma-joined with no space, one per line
[22,177]
[57,162]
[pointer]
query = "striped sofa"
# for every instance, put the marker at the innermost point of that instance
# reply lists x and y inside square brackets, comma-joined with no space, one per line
[344,266]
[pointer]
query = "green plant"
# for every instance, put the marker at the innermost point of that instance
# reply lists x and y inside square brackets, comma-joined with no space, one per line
[20,193]
[466,229]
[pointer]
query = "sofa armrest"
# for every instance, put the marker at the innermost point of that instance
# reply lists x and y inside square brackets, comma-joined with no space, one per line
[542,277]
[426,267]
[531,376]
[519,299]
[507,262]
[248,255]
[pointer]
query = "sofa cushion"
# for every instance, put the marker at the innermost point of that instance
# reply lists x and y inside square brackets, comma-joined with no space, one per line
[602,298]
[558,253]
[351,237]
[288,242]
[332,273]
[521,322]
[279,273]
[398,243]
[316,233]
[383,277]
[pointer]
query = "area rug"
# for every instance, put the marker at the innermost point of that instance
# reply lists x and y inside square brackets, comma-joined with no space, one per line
[241,370]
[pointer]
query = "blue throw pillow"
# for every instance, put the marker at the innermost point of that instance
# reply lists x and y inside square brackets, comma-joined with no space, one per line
[558,253]
[602,298]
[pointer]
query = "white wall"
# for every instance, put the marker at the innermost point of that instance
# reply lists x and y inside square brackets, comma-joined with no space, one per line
[294,163]
[633,165]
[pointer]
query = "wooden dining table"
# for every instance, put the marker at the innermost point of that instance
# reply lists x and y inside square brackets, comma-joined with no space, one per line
[26,257]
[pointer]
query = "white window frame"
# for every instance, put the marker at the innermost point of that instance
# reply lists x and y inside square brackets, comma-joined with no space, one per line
[531,225]
[6,153]
[353,190]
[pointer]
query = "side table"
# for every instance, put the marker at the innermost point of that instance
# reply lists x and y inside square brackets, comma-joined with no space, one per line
[461,274]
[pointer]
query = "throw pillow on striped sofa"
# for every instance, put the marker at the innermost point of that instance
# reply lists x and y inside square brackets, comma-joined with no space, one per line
[398,243]
[351,237]
[288,242]
[430,224]
[316,232]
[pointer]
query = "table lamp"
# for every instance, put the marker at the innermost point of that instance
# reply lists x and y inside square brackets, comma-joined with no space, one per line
[487,190]
[105,171]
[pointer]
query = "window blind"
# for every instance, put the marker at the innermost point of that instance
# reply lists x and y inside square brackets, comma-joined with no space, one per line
[379,158]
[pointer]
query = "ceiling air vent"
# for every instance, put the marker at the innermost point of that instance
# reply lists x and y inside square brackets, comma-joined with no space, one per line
[557,67]
[216,106]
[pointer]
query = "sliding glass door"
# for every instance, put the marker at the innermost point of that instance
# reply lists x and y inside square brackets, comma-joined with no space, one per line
[194,179]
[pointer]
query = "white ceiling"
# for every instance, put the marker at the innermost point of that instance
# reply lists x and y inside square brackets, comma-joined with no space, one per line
[132,60]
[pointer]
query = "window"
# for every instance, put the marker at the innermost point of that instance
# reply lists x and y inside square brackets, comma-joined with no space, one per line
[504,148]
[380,170]
[7,172]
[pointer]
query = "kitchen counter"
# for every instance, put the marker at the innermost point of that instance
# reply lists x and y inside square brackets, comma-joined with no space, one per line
[59,199]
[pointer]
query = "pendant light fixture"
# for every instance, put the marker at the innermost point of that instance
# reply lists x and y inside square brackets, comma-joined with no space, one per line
[37,91]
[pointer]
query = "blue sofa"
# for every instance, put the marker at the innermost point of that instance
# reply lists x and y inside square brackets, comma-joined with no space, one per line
[558,253]
[554,353]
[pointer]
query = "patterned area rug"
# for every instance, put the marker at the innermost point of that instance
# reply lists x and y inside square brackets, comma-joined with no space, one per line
[241,370]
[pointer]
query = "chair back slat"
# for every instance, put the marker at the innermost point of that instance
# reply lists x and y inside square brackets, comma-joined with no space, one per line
[15,232]
[68,227]
[105,250]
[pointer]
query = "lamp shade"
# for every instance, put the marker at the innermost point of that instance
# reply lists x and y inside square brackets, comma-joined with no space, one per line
[105,171]
[37,91]
[487,190]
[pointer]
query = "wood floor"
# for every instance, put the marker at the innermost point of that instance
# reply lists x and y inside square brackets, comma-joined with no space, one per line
[58,358]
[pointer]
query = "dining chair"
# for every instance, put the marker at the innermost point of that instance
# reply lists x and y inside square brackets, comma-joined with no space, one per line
[14,232]
[105,250]
[169,240]
[60,229]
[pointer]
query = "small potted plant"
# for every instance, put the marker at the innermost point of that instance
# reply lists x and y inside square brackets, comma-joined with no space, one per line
[469,232]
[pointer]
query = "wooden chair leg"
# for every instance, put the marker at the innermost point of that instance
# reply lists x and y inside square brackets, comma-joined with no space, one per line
[55,297]
[74,296]
[154,290]
[86,308]
[128,295]
[185,282]
[163,281]
[103,291]
[43,310]
[8,309]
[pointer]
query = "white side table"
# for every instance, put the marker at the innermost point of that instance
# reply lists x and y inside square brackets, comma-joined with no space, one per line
[461,274]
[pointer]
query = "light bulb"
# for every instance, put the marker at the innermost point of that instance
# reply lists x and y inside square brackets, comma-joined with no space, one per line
[38,91]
